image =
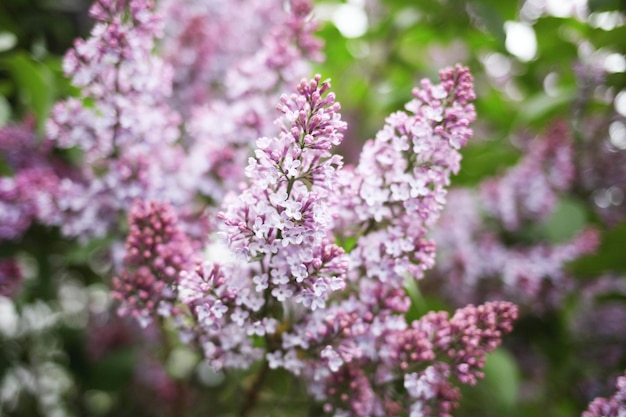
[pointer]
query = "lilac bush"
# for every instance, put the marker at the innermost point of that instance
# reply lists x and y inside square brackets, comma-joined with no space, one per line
[200,160]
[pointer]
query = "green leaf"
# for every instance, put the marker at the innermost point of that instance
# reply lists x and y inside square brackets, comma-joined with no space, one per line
[484,160]
[497,393]
[35,84]
[568,218]
[5,111]
[502,379]
[608,258]
[421,303]
[113,371]
[491,18]
[605,5]
[347,244]
[541,106]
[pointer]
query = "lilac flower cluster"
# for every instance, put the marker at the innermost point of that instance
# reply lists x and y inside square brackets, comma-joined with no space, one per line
[28,193]
[135,103]
[214,60]
[156,252]
[364,327]
[159,136]
[279,227]
[476,262]
[283,218]
[255,61]
[424,355]
[609,407]
[399,186]
[225,312]
[121,117]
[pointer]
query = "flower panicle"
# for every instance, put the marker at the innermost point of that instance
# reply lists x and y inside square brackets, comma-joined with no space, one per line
[399,187]
[283,218]
[432,356]
[157,251]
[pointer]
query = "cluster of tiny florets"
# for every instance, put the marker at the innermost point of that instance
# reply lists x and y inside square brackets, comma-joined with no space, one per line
[157,251]
[283,219]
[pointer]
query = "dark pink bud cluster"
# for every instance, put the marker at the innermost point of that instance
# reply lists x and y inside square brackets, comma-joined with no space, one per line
[156,252]
[428,356]
[474,332]
[350,389]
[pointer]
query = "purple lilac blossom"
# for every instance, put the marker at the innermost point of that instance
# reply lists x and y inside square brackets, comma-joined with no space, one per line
[279,227]
[398,189]
[428,356]
[225,309]
[282,219]
[121,124]
[529,190]
[238,109]
[475,261]
[215,60]
[366,329]
[156,252]
[29,191]
[281,223]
